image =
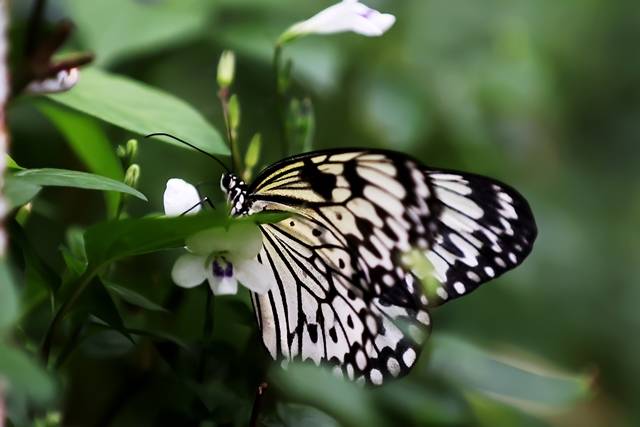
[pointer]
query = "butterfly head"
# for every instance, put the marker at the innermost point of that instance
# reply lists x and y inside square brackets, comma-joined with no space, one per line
[236,191]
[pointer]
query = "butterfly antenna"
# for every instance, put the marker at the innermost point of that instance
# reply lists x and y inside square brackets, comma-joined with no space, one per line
[190,145]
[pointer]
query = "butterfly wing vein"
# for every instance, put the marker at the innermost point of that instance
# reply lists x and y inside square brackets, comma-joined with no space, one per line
[344,297]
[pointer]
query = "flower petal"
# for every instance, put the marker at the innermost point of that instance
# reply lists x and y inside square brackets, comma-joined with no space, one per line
[247,240]
[61,82]
[255,276]
[223,286]
[383,21]
[241,240]
[189,271]
[180,197]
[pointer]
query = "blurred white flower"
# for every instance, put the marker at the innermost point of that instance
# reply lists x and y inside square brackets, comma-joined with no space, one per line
[348,15]
[61,82]
[180,197]
[221,255]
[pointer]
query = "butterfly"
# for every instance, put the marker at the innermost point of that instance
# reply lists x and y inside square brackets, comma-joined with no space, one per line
[344,297]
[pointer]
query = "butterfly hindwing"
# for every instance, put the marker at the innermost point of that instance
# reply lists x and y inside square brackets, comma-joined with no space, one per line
[344,296]
[320,311]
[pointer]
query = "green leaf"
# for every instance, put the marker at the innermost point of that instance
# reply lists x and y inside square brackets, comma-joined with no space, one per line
[267,217]
[514,380]
[118,29]
[67,178]
[117,239]
[132,297]
[90,144]
[292,415]
[107,242]
[19,192]
[422,404]
[41,280]
[11,164]
[142,109]
[97,302]
[347,401]
[24,376]
[8,298]
[490,413]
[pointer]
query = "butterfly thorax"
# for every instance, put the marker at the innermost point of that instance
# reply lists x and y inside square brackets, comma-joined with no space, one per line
[235,190]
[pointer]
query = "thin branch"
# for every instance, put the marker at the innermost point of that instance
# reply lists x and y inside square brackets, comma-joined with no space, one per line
[4,151]
[281,100]
[257,404]
[207,330]
[4,135]
[223,95]
[33,31]
[82,283]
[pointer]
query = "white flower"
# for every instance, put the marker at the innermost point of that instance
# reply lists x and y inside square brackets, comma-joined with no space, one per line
[348,15]
[180,197]
[61,82]
[221,255]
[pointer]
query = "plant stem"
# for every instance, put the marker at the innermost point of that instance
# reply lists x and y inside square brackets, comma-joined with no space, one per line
[207,330]
[83,281]
[257,403]
[280,99]
[223,95]
[72,343]
[4,135]
[33,32]
[209,307]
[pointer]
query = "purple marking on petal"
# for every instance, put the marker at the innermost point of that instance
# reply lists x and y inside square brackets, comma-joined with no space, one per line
[229,270]
[218,271]
[367,14]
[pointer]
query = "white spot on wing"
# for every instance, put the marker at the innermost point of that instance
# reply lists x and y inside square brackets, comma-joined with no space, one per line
[393,366]
[375,376]
[409,357]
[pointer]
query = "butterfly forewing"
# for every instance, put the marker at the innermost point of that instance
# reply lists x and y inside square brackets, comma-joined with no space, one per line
[344,296]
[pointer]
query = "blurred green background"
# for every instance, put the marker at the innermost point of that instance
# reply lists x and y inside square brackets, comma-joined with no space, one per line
[544,95]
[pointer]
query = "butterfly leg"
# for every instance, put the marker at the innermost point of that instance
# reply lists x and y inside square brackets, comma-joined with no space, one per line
[201,202]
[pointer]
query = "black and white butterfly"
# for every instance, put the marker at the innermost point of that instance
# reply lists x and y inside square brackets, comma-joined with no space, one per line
[343,297]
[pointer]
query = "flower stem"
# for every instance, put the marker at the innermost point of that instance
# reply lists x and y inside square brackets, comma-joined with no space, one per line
[4,135]
[223,95]
[209,309]
[280,98]
[257,403]
[33,31]
[83,281]
[207,330]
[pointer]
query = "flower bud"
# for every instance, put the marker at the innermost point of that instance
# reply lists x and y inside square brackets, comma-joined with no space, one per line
[132,149]
[252,156]
[121,151]
[132,175]
[226,69]
[300,125]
